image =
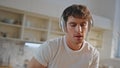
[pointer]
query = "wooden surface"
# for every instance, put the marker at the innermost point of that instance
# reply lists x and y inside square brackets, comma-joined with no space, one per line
[5,66]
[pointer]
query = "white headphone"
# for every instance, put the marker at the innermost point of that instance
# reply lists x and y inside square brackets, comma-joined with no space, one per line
[62,24]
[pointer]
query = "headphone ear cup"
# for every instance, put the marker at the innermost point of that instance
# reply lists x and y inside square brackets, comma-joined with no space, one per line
[90,24]
[62,24]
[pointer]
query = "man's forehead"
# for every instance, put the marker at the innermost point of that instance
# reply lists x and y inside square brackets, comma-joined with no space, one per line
[71,18]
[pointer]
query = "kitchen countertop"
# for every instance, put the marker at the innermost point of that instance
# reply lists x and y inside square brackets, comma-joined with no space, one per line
[5,66]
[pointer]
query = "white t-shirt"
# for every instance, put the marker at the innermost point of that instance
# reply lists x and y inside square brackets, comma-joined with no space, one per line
[56,54]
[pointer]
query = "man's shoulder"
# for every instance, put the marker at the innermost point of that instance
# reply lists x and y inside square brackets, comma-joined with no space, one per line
[56,40]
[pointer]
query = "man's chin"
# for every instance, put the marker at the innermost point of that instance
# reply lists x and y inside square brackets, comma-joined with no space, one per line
[78,41]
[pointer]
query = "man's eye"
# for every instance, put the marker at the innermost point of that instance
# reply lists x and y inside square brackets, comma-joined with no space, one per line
[83,24]
[73,25]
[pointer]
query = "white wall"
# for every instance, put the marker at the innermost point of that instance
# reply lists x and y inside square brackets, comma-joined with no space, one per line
[47,7]
[39,6]
[105,8]
[102,22]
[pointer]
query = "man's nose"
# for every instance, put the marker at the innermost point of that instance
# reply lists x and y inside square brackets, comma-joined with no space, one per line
[78,28]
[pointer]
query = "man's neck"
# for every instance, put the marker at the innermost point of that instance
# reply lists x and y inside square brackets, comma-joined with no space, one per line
[74,46]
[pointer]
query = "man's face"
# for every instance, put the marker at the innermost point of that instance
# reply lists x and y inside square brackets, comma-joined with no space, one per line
[76,29]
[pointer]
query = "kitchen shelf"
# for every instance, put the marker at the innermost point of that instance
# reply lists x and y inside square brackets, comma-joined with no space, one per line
[38,29]
[10,17]
[25,26]
[34,35]
[12,39]
[36,22]
[8,24]
[11,31]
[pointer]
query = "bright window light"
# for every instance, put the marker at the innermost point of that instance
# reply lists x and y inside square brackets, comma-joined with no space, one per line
[34,45]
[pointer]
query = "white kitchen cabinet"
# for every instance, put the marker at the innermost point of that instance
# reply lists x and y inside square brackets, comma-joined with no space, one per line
[27,26]
[10,23]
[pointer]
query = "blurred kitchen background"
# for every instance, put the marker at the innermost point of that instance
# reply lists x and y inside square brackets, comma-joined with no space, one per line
[25,24]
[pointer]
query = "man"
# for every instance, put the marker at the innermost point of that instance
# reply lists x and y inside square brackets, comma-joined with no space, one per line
[71,50]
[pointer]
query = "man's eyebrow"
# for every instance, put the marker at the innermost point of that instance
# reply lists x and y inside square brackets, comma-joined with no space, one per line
[84,22]
[72,23]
